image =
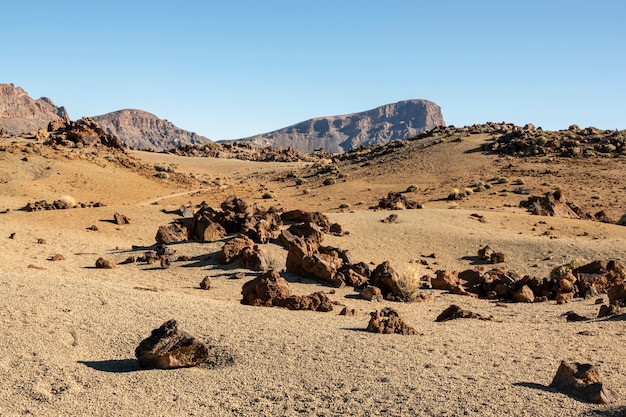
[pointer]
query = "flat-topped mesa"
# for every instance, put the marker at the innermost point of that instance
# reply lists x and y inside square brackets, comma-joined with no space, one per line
[19,113]
[336,134]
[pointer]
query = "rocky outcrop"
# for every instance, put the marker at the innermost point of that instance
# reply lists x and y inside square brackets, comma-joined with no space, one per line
[168,347]
[336,134]
[19,113]
[142,130]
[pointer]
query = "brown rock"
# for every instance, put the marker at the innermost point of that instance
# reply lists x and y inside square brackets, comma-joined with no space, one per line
[168,347]
[484,254]
[347,312]
[205,284]
[396,201]
[265,289]
[208,231]
[304,259]
[315,302]
[104,264]
[171,234]
[372,293]
[301,216]
[497,257]
[387,279]
[524,295]
[234,248]
[120,219]
[388,321]
[57,257]
[254,258]
[582,381]
[444,280]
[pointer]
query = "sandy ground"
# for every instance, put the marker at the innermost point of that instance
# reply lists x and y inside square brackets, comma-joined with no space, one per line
[69,330]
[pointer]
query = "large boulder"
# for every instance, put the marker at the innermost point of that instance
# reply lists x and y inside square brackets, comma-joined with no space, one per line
[169,347]
[317,301]
[305,259]
[172,233]
[265,290]
[553,204]
[252,255]
[387,279]
[455,312]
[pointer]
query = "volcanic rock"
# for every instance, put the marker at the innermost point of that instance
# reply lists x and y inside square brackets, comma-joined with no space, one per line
[582,381]
[444,280]
[456,312]
[301,216]
[550,205]
[172,233]
[524,295]
[389,321]
[265,289]
[317,301]
[205,284]
[396,201]
[168,347]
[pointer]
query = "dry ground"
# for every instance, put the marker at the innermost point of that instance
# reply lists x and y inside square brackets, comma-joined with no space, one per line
[69,330]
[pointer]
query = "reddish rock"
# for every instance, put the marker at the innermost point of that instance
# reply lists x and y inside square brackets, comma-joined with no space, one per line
[608,310]
[484,254]
[301,216]
[347,312]
[497,257]
[582,381]
[172,233]
[305,259]
[169,347]
[207,230]
[265,290]
[388,321]
[233,249]
[550,205]
[387,279]
[315,302]
[396,201]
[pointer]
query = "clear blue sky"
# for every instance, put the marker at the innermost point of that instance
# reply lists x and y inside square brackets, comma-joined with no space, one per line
[231,69]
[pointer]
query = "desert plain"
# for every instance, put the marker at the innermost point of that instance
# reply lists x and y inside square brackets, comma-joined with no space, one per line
[69,330]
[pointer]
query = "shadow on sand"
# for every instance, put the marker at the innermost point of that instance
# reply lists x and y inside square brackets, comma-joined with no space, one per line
[113,365]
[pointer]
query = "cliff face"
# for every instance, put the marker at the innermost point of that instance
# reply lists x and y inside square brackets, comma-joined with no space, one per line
[400,120]
[142,130]
[19,113]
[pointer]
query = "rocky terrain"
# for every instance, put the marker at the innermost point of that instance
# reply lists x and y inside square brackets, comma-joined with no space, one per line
[19,113]
[335,134]
[457,272]
[142,130]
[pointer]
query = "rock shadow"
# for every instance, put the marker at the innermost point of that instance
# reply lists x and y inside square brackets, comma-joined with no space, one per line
[113,365]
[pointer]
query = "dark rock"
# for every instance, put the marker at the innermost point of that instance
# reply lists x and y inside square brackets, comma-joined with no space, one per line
[497,257]
[397,201]
[456,312]
[347,312]
[392,218]
[205,284]
[168,347]
[582,381]
[315,302]
[573,316]
[608,310]
[388,321]
[484,254]
[301,216]
[387,279]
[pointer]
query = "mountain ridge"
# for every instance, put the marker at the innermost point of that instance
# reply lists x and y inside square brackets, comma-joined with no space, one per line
[140,129]
[336,134]
[19,113]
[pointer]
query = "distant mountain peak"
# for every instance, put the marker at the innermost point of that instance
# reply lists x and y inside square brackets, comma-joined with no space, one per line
[142,130]
[19,113]
[381,125]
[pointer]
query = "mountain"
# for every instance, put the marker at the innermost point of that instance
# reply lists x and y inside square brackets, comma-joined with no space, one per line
[19,113]
[142,130]
[400,120]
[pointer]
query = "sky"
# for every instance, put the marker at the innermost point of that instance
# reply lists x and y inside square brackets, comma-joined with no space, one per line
[233,69]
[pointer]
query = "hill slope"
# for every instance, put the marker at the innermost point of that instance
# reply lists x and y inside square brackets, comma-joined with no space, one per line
[20,113]
[142,130]
[399,120]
